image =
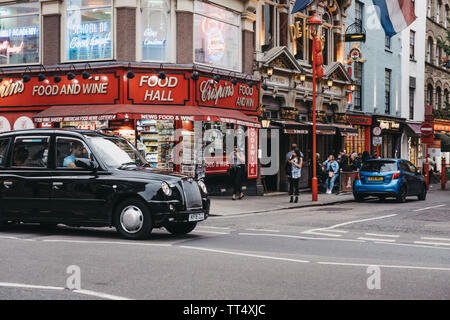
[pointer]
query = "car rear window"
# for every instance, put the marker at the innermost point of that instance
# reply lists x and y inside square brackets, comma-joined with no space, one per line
[379,166]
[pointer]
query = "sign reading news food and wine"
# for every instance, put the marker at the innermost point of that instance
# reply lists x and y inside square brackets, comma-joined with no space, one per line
[99,89]
[224,94]
[148,88]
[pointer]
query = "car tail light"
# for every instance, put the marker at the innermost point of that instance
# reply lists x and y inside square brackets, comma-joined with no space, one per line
[357,176]
[395,176]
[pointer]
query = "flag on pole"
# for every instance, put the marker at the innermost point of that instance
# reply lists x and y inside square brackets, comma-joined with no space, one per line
[300,5]
[395,15]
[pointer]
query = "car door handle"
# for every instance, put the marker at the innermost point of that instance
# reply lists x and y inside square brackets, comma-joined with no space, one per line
[56,185]
[7,184]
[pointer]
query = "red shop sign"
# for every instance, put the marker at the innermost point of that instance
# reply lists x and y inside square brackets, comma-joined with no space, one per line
[99,89]
[224,94]
[216,164]
[252,153]
[147,88]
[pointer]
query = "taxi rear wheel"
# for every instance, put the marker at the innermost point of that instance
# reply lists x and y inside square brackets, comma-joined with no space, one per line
[133,220]
[181,228]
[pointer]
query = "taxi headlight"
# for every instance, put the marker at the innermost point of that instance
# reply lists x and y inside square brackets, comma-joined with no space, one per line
[166,188]
[202,186]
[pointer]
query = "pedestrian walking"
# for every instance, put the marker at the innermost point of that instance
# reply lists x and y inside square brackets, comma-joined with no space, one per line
[332,169]
[294,172]
[237,160]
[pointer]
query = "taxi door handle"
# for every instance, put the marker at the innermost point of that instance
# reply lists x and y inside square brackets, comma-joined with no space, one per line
[56,185]
[7,184]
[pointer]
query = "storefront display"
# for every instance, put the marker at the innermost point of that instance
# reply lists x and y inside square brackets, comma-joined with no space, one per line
[19,33]
[89,30]
[216,36]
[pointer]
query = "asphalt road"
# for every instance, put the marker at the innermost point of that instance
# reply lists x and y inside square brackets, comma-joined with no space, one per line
[371,250]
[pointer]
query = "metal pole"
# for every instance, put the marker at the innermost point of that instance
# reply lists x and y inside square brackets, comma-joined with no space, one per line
[443,177]
[427,169]
[314,179]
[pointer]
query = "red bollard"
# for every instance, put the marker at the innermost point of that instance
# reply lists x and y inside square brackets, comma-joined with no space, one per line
[443,178]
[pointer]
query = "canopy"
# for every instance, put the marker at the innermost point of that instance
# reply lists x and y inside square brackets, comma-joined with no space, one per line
[131,111]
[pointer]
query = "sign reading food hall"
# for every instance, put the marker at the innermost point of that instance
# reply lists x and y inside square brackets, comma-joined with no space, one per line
[98,89]
[148,88]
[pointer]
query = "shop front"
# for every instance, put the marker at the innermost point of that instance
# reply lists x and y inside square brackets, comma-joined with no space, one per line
[441,142]
[414,149]
[361,141]
[180,119]
[392,130]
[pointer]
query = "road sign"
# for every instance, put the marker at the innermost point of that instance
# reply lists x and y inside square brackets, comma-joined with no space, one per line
[377,141]
[376,131]
[427,129]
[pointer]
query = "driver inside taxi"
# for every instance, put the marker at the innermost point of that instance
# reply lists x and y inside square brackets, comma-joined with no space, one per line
[77,151]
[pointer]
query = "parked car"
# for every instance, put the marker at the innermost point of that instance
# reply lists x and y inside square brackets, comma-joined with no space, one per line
[384,178]
[84,178]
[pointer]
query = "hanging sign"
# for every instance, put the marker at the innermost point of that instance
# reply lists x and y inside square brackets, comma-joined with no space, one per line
[252,153]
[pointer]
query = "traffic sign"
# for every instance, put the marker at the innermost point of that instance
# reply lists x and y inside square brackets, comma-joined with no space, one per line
[427,129]
[377,141]
[376,131]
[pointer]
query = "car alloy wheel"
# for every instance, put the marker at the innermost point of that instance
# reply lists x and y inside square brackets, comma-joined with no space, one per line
[131,219]
[423,195]
[402,196]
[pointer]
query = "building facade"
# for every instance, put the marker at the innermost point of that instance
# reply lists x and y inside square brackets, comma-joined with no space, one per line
[144,69]
[437,76]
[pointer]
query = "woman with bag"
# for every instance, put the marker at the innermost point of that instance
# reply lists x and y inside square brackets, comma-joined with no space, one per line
[294,172]
[332,169]
[237,160]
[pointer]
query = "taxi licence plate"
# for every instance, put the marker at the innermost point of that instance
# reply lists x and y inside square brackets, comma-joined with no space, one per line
[375,179]
[196,216]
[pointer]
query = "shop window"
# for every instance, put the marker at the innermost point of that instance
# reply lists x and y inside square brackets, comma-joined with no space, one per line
[19,33]
[30,152]
[155,29]
[217,38]
[88,30]
[4,143]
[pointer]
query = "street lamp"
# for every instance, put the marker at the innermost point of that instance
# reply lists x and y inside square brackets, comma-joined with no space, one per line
[330,83]
[314,24]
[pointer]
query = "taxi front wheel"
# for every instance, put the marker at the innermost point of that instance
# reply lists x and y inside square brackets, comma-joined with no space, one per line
[133,219]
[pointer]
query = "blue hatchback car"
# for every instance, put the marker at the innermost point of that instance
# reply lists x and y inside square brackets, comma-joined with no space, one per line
[384,178]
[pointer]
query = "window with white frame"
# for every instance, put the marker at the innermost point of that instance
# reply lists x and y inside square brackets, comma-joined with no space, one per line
[438,11]
[19,33]
[217,39]
[88,32]
[412,45]
[429,9]
[155,29]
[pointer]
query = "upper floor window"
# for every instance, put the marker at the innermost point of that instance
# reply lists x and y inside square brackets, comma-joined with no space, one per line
[429,48]
[429,9]
[19,33]
[88,30]
[359,14]
[412,44]
[217,39]
[387,90]
[155,29]
[387,42]
[438,11]
[268,25]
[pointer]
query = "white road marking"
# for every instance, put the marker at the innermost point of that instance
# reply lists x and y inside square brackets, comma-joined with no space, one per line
[433,243]
[246,254]
[219,228]
[327,229]
[376,239]
[296,237]
[427,208]
[439,239]
[412,245]
[263,230]
[382,235]
[383,266]
[206,231]
[10,238]
[109,242]
[81,291]
[341,231]
[322,234]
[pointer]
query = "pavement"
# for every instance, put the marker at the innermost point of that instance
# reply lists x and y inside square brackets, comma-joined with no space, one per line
[224,206]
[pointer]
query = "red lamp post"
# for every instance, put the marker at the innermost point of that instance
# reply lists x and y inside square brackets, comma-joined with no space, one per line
[314,23]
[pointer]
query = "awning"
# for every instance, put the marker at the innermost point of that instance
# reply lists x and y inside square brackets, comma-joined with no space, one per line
[153,112]
[325,130]
[445,141]
[346,130]
[413,129]
[293,127]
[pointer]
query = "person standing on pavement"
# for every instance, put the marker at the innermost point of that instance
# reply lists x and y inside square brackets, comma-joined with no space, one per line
[289,154]
[343,160]
[332,169]
[294,171]
[366,156]
[237,160]
[355,162]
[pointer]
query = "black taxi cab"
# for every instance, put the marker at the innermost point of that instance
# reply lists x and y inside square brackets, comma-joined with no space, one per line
[85,178]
